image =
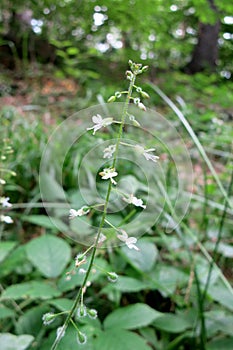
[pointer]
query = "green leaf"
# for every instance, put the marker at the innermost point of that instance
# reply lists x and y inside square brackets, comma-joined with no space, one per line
[31,321]
[45,221]
[30,290]
[224,344]
[6,312]
[171,323]
[14,261]
[65,284]
[118,339]
[5,249]
[131,317]
[221,294]
[127,284]
[12,342]
[167,278]
[61,304]
[143,260]
[218,321]
[49,254]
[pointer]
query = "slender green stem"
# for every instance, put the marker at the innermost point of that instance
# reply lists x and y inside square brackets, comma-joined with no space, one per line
[79,294]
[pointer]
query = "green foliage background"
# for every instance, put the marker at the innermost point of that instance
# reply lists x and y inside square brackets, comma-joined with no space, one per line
[158,302]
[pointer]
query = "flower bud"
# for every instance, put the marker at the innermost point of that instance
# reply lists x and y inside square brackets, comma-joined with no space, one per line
[129,75]
[111,99]
[92,313]
[80,259]
[145,94]
[112,276]
[48,318]
[81,338]
[144,69]
[141,106]
[82,311]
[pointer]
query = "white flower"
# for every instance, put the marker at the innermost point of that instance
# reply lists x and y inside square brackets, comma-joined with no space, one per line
[82,271]
[2,182]
[74,213]
[100,122]
[109,173]
[5,202]
[108,152]
[7,219]
[129,241]
[135,201]
[146,154]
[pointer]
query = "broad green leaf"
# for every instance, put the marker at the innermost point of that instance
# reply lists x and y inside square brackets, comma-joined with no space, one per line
[14,262]
[31,321]
[221,294]
[128,284]
[49,254]
[171,323]
[220,344]
[45,221]
[6,312]
[143,260]
[30,290]
[12,342]
[166,279]
[218,321]
[5,249]
[120,339]
[61,304]
[131,317]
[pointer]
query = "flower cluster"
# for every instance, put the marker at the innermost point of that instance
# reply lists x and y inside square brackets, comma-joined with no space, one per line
[108,173]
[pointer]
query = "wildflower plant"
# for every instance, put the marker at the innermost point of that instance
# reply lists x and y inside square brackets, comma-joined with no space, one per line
[109,175]
[118,174]
[5,173]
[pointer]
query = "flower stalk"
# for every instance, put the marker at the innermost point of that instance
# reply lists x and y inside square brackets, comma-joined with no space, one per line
[106,174]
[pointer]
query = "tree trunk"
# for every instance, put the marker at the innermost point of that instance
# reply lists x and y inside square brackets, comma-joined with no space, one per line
[205,53]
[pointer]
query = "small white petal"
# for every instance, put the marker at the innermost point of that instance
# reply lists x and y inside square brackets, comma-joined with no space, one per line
[7,219]
[97,119]
[124,236]
[73,213]
[5,202]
